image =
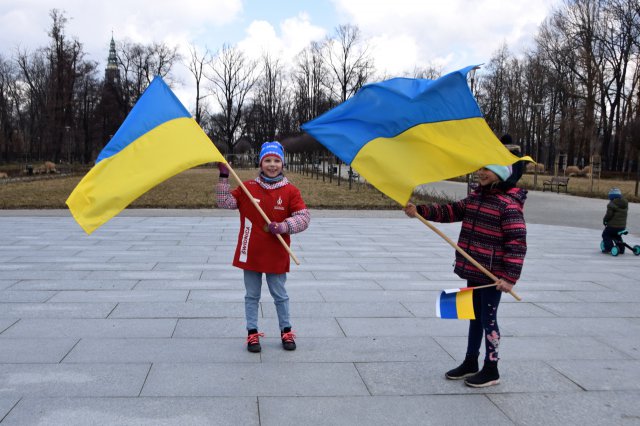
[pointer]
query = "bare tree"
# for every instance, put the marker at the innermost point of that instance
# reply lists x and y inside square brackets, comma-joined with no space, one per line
[270,109]
[348,61]
[196,65]
[233,77]
[141,63]
[310,78]
[8,104]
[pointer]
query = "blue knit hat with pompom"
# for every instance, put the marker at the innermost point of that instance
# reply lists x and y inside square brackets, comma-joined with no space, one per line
[615,193]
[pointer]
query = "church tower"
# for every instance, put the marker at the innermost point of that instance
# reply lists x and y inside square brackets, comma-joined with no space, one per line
[112,73]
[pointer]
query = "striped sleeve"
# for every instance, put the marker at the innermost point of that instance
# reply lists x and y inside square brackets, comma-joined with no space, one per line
[444,213]
[224,198]
[298,221]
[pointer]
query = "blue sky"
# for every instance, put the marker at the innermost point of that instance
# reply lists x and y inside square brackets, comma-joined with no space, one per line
[402,34]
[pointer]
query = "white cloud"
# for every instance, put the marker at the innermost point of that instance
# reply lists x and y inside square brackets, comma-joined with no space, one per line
[454,33]
[295,34]
[25,22]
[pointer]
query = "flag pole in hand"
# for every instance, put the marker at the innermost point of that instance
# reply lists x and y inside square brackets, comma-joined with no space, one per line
[465,254]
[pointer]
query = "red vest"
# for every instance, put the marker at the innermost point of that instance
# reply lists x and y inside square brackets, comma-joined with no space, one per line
[259,250]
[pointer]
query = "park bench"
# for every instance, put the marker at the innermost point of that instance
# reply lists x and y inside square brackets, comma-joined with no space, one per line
[557,182]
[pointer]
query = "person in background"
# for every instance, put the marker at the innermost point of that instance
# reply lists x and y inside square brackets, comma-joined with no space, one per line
[615,220]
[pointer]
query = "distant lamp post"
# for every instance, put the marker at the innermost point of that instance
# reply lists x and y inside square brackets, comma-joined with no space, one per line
[537,108]
[67,132]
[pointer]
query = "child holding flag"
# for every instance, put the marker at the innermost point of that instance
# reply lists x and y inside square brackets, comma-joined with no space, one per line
[494,233]
[258,251]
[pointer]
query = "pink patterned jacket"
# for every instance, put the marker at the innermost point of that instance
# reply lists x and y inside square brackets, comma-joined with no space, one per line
[493,232]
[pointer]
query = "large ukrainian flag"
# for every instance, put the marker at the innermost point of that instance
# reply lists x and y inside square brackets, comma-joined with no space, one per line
[403,132]
[157,140]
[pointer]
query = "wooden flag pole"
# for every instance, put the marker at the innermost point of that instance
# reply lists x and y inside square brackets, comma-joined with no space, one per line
[466,255]
[262,213]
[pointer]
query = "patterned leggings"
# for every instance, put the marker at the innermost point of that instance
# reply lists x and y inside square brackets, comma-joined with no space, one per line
[485,305]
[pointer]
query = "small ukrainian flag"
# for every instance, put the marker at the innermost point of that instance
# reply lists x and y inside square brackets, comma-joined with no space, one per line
[455,304]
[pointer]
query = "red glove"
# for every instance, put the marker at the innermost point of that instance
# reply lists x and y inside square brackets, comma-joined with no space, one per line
[224,170]
[278,228]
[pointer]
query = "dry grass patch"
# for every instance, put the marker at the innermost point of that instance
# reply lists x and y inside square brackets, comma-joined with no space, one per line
[584,187]
[195,189]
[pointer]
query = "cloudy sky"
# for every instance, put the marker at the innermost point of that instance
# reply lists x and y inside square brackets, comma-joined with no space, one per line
[402,34]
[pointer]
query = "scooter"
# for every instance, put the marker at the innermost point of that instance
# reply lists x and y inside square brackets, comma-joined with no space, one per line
[619,245]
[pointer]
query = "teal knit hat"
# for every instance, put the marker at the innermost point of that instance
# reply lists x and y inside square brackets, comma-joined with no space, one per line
[503,172]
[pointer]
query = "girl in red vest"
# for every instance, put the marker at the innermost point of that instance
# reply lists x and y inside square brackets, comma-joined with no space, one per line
[258,250]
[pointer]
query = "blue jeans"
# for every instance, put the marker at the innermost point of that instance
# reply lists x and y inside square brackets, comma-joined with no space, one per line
[253,287]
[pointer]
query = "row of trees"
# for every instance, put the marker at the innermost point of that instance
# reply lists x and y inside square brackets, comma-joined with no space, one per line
[574,95]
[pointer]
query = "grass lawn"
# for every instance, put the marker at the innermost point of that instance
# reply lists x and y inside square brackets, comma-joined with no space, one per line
[585,187]
[194,189]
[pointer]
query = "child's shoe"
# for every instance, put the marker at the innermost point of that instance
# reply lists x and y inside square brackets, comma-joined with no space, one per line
[253,341]
[488,376]
[468,368]
[287,337]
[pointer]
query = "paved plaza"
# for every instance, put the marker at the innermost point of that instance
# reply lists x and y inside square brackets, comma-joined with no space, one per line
[142,323]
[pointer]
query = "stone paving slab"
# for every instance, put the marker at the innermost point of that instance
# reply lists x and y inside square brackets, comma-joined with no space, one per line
[58,284]
[408,327]
[571,408]
[133,411]
[264,379]
[632,295]
[121,296]
[380,410]
[427,378]
[178,310]
[167,350]
[29,351]
[6,405]
[5,324]
[55,310]
[593,309]
[88,327]
[79,380]
[4,284]
[628,345]
[602,374]
[360,349]
[25,296]
[601,327]
[162,284]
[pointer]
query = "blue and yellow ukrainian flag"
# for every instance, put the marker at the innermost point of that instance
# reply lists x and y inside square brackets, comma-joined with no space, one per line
[156,141]
[403,132]
[455,304]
